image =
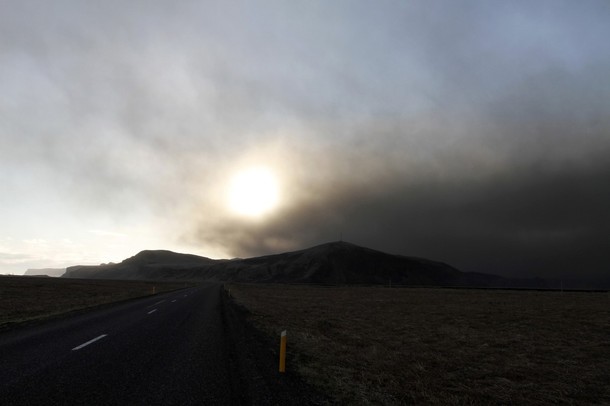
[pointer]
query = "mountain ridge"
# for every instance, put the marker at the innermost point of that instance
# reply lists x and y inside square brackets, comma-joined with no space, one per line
[333,263]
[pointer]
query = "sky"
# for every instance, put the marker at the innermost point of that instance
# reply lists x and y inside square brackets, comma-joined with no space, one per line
[475,133]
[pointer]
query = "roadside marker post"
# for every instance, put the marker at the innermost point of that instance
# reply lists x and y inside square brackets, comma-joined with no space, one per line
[283,352]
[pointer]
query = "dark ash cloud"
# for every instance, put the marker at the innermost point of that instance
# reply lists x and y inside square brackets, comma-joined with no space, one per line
[551,224]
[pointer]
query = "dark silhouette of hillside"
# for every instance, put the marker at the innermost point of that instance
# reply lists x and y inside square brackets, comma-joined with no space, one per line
[335,263]
[146,265]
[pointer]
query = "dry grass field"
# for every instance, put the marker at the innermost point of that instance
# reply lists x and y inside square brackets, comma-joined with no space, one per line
[441,346]
[27,298]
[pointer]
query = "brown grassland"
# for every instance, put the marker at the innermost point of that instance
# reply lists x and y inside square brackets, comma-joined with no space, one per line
[378,345]
[28,298]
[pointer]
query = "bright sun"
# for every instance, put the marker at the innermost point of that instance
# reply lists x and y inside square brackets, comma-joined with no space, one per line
[253,192]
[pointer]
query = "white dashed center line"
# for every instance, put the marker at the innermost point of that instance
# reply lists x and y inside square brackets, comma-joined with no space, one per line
[89,342]
[152,311]
[173,300]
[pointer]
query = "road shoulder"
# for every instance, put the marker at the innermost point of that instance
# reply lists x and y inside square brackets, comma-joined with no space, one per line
[254,356]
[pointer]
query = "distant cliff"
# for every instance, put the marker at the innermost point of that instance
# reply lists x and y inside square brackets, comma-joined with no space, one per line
[45,272]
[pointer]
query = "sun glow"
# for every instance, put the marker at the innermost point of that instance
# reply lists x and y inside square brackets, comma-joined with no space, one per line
[254,192]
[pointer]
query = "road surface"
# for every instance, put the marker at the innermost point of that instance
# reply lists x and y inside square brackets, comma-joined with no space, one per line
[178,348]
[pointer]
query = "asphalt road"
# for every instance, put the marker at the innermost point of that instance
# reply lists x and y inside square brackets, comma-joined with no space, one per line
[178,348]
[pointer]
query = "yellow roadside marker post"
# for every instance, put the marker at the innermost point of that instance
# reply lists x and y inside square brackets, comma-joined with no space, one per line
[283,352]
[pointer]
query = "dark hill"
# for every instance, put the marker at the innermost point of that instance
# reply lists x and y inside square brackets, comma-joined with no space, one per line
[150,257]
[336,263]
[146,265]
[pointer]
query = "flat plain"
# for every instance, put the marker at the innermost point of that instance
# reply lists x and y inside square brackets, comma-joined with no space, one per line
[29,298]
[374,345]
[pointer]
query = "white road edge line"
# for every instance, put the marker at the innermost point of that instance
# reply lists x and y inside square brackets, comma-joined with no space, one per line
[152,311]
[89,342]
